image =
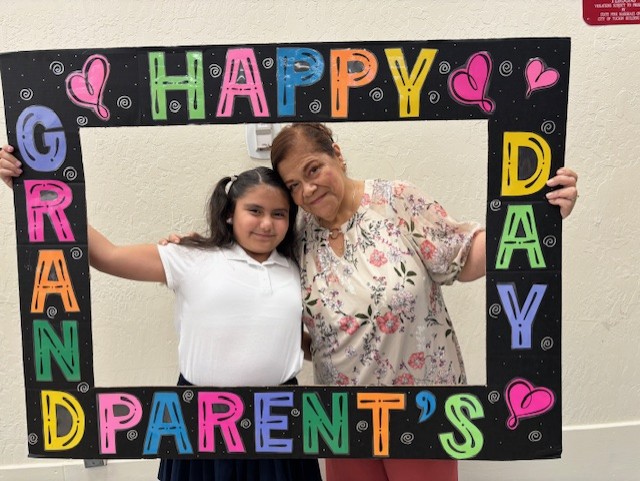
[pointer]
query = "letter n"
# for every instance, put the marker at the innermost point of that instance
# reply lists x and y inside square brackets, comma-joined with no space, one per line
[47,345]
[316,422]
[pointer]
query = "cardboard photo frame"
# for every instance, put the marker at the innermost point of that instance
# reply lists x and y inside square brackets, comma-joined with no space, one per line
[519,85]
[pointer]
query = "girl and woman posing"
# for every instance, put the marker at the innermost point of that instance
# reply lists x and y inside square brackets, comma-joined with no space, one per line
[368,323]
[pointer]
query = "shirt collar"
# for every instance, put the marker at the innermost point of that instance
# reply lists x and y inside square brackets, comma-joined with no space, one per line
[237,253]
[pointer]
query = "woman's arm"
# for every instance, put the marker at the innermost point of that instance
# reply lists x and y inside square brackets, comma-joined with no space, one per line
[306,345]
[475,267]
[137,262]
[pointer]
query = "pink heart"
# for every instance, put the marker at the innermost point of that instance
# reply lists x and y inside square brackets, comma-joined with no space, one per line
[85,87]
[525,401]
[468,85]
[539,76]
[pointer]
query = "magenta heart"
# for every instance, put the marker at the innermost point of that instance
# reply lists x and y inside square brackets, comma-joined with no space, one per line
[468,85]
[85,87]
[539,76]
[525,401]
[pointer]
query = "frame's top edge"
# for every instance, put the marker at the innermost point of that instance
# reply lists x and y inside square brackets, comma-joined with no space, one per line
[302,43]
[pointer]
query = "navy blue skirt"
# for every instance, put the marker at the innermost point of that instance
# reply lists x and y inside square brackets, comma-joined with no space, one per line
[238,469]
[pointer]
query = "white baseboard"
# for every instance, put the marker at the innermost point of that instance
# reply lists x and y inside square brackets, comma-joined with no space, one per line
[590,453]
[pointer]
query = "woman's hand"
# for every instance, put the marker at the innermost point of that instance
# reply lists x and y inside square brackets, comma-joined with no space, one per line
[9,165]
[566,195]
[172,239]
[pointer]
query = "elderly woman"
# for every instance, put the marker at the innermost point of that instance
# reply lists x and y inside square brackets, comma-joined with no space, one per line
[373,257]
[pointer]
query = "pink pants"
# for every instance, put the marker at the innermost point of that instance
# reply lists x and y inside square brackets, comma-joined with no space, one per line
[391,469]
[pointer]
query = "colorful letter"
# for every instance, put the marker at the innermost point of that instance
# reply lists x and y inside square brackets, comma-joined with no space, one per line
[315,421]
[50,198]
[53,138]
[521,320]
[227,421]
[380,405]
[510,241]
[60,284]
[160,83]
[513,142]
[110,423]
[409,85]
[47,344]
[342,77]
[51,401]
[166,404]
[460,408]
[267,422]
[242,77]
[297,67]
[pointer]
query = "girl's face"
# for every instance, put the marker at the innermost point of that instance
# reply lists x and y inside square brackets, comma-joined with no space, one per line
[260,220]
[316,180]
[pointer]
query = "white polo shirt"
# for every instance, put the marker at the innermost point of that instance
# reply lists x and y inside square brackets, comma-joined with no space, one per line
[238,320]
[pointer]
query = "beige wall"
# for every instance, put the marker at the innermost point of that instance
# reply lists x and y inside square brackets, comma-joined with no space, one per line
[143,183]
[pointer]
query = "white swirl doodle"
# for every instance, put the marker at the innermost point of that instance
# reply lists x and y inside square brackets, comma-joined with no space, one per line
[132,435]
[315,106]
[548,127]
[535,436]
[76,253]
[549,241]
[406,438]
[444,68]
[56,67]
[546,343]
[215,70]
[295,413]
[32,439]
[175,106]
[245,423]
[124,102]
[362,426]
[434,97]
[51,312]
[83,388]
[495,205]
[82,120]
[493,397]
[187,396]
[506,68]
[268,62]
[26,94]
[495,310]
[70,173]
[376,94]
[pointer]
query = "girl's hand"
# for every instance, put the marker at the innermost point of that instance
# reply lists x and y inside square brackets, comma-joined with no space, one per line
[9,165]
[564,197]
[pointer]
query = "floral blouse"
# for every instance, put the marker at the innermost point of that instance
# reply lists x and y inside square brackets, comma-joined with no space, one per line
[376,314]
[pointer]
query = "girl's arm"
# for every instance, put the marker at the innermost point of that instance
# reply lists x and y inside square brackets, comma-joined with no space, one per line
[475,267]
[137,262]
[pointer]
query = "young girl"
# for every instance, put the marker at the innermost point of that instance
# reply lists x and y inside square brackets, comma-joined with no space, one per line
[238,306]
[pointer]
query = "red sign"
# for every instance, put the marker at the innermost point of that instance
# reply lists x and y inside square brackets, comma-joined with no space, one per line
[610,12]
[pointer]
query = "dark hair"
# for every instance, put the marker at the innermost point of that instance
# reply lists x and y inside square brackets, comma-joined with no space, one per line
[222,204]
[318,135]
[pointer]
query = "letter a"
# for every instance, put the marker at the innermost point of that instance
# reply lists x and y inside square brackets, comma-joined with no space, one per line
[520,215]
[44,285]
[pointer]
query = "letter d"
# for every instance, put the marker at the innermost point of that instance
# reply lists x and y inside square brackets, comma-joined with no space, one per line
[51,400]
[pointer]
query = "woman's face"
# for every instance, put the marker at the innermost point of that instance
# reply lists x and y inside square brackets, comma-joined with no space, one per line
[316,180]
[260,220]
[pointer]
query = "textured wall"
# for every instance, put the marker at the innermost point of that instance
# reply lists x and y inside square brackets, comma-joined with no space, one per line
[143,183]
